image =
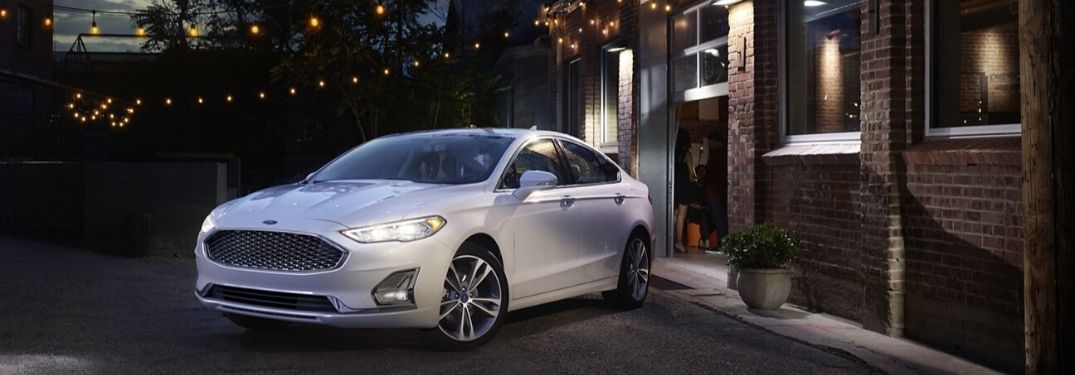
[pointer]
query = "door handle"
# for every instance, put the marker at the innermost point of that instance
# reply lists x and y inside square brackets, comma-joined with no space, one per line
[567,201]
[618,198]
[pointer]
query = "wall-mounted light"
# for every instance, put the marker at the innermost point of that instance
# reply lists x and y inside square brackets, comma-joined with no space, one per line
[814,3]
[726,2]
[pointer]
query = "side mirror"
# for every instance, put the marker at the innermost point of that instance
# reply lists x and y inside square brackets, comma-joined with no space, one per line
[532,181]
[308,178]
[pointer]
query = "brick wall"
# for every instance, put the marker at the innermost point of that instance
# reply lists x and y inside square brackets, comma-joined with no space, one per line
[990,70]
[581,32]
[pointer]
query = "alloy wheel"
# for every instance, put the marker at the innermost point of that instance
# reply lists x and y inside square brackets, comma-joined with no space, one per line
[472,298]
[638,269]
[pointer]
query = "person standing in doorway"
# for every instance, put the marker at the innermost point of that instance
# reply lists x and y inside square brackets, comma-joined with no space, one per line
[682,185]
[715,183]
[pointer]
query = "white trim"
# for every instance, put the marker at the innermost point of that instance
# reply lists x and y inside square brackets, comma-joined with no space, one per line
[704,92]
[997,130]
[819,138]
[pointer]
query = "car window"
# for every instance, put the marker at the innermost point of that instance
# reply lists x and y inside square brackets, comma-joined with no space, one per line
[539,155]
[586,166]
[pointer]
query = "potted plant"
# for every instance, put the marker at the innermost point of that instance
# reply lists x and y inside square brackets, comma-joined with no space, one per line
[760,254]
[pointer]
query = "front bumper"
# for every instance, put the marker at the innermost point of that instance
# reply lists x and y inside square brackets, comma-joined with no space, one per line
[349,287]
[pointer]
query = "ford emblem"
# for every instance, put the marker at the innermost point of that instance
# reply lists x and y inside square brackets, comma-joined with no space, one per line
[269,222]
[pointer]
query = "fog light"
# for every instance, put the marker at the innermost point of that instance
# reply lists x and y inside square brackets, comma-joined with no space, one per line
[396,289]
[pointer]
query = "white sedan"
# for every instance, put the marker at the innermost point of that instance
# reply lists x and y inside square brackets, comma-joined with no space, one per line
[442,230]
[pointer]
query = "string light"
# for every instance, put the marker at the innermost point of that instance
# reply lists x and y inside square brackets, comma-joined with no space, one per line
[168,101]
[668,7]
[254,29]
[380,9]
[140,31]
[321,83]
[447,55]
[193,32]
[507,35]
[138,101]
[228,98]
[387,72]
[93,26]
[108,100]
[354,80]
[415,63]
[78,95]
[3,13]
[70,105]
[292,91]
[47,21]
[201,100]
[537,22]
[560,40]
[314,22]
[130,110]
[653,5]
[261,95]
[477,45]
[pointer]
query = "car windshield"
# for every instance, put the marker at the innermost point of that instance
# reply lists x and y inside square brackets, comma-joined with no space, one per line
[425,157]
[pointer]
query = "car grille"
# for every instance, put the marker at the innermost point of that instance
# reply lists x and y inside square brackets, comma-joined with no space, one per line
[277,300]
[275,251]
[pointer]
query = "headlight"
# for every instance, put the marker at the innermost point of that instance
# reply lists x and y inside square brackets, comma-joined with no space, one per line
[403,231]
[208,224]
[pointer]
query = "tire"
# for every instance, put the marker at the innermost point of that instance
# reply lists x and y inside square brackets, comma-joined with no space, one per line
[257,324]
[633,283]
[469,320]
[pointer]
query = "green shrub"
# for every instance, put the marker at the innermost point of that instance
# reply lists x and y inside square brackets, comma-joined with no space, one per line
[762,247]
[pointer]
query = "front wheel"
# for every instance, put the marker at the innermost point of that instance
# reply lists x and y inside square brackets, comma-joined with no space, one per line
[474,300]
[634,275]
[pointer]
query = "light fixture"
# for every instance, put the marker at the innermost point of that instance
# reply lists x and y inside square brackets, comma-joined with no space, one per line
[292,91]
[109,100]
[193,32]
[653,5]
[140,31]
[616,49]
[138,101]
[321,83]
[477,45]
[78,95]
[261,95]
[726,2]
[380,9]
[314,22]
[447,55]
[3,13]
[93,26]
[415,63]
[228,98]
[255,29]
[47,22]
[387,72]
[167,101]
[507,35]
[814,3]
[201,100]
[354,79]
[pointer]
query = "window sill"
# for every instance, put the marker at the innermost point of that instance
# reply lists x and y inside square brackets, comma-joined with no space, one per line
[967,151]
[831,153]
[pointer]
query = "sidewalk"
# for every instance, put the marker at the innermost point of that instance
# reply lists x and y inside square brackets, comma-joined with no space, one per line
[707,275]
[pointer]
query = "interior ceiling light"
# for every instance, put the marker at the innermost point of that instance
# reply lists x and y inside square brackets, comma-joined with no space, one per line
[814,3]
[726,2]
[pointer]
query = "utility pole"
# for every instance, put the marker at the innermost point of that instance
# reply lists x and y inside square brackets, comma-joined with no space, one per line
[1048,118]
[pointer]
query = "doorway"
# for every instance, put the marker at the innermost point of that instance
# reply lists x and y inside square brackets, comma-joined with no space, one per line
[700,177]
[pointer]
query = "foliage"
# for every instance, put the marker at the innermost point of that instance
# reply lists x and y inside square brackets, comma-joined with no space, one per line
[421,89]
[763,246]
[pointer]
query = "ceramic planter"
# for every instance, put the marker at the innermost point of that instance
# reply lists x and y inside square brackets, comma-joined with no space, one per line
[765,289]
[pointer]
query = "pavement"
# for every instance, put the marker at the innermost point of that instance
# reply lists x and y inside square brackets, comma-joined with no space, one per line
[65,310]
[703,280]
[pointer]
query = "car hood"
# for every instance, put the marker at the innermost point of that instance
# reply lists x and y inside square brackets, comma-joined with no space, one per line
[348,203]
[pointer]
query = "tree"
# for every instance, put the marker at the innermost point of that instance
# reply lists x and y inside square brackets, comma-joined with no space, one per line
[373,65]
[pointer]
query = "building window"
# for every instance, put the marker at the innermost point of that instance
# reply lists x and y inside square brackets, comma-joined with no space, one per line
[974,68]
[822,70]
[700,52]
[572,98]
[610,92]
[24,17]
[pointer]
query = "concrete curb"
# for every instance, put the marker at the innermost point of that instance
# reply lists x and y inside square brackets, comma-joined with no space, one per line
[887,354]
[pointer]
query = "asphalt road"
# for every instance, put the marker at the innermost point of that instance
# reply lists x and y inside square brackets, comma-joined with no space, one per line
[72,311]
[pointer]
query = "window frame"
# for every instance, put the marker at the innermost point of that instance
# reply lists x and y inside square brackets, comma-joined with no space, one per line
[783,94]
[699,92]
[500,186]
[937,132]
[23,12]
[572,100]
[603,136]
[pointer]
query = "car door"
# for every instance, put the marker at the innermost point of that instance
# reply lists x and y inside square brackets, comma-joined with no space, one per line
[543,231]
[599,207]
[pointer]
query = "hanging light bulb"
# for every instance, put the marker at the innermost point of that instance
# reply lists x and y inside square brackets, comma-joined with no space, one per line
[261,95]
[415,63]
[354,80]
[93,26]
[380,9]
[3,12]
[78,95]
[447,55]
[140,31]
[292,91]
[321,83]
[228,98]
[47,21]
[668,7]
[387,72]
[168,101]
[193,32]
[201,100]
[255,29]
[75,115]
[70,105]
[507,35]
[315,22]
[138,101]
[653,5]
[477,45]
[130,110]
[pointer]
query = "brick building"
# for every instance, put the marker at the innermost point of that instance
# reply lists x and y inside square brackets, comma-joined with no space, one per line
[885,133]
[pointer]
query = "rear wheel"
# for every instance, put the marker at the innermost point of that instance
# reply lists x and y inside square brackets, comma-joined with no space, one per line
[257,324]
[634,275]
[474,300]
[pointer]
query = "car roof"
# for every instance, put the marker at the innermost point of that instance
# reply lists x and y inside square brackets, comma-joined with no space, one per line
[504,132]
